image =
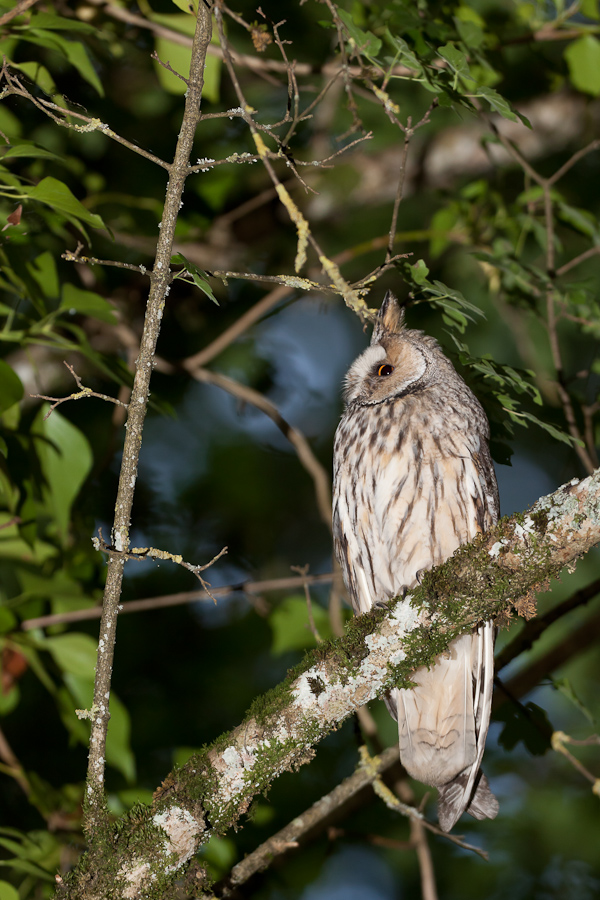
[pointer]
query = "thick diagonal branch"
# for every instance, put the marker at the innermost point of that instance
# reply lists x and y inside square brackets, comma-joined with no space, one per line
[486,579]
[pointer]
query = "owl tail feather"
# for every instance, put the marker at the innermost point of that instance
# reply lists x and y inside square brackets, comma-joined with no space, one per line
[482,804]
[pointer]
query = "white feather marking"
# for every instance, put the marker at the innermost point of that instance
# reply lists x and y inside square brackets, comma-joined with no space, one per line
[485,678]
[360,369]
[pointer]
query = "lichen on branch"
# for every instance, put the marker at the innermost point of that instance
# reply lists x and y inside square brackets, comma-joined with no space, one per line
[486,579]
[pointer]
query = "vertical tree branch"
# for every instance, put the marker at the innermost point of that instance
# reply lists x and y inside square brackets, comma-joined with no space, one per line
[96,818]
[581,448]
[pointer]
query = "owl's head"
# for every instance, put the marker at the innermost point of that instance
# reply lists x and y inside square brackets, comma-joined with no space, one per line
[398,362]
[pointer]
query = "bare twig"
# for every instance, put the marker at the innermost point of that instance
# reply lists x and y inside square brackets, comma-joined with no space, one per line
[352,298]
[238,327]
[306,456]
[303,572]
[559,739]
[80,395]
[76,257]
[577,260]
[398,199]
[536,627]
[11,765]
[318,818]
[19,9]
[586,635]
[141,553]
[573,160]
[59,116]
[254,63]
[167,600]
[546,184]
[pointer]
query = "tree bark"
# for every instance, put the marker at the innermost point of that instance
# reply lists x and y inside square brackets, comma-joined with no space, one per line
[498,572]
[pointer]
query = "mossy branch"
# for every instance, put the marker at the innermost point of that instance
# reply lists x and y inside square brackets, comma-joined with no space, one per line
[498,572]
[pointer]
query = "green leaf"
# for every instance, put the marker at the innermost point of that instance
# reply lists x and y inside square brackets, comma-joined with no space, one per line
[420,272]
[179,57]
[442,222]
[365,41]
[457,60]
[66,459]
[58,196]
[579,219]
[442,291]
[556,433]
[499,104]
[566,689]
[11,389]
[471,33]
[38,74]
[88,303]
[8,621]
[24,865]
[220,854]
[9,700]
[404,54]
[527,724]
[197,274]
[583,60]
[187,6]
[8,892]
[589,8]
[43,271]
[74,51]
[74,653]
[51,21]
[289,623]
[26,148]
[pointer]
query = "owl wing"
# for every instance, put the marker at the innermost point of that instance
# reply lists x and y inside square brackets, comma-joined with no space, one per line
[350,553]
[443,721]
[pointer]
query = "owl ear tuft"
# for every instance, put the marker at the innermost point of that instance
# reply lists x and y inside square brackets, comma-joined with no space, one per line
[390,318]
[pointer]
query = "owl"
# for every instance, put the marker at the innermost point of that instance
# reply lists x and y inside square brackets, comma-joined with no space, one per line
[413,480]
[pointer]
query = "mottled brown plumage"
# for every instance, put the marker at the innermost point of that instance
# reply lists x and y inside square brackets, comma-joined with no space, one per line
[413,479]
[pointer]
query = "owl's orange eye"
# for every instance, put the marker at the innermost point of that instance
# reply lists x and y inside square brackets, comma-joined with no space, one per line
[384,370]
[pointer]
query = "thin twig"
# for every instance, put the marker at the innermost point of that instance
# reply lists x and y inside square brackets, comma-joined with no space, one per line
[167,600]
[306,456]
[594,145]
[141,553]
[303,572]
[19,9]
[395,804]
[546,184]
[536,627]
[559,739]
[238,327]
[575,643]
[352,298]
[11,764]
[317,818]
[56,113]
[399,190]
[418,842]
[587,254]
[83,393]
[76,257]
